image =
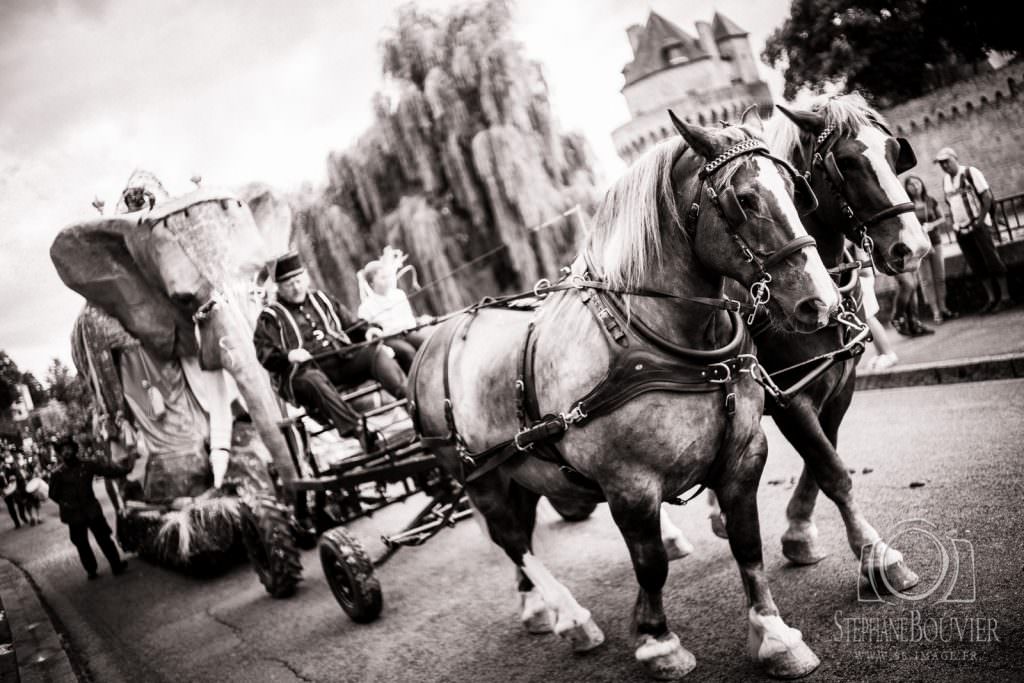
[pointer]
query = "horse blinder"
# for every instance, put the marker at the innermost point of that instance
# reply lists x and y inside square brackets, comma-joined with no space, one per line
[906,159]
[731,208]
[803,196]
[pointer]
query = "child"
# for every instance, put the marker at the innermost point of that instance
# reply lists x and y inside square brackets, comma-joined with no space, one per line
[387,307]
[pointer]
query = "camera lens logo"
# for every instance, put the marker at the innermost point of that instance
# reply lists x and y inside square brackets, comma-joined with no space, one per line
[946,563]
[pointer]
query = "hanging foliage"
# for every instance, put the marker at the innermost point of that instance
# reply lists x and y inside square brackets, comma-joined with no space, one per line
[464,155]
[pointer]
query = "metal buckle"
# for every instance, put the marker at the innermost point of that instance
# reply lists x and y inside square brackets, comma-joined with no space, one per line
[728,373]
[761,294]
[515,442]
[464,455]
[575,415]
[542,283]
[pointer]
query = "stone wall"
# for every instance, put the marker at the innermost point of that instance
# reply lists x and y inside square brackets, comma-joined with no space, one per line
[982,118]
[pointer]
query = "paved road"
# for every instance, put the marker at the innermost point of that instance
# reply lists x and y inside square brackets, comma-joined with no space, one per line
[450,608]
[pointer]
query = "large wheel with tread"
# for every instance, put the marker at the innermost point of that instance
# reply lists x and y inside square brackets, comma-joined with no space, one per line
[349,573]
[572,510]
[270,543]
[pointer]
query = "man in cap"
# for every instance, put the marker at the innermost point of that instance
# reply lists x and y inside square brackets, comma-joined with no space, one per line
[970,205]
[71,489]
[305,322]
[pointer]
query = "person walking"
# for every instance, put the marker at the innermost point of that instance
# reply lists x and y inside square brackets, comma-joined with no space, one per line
[933,268]
[9,489]
[71,489]
[970,205]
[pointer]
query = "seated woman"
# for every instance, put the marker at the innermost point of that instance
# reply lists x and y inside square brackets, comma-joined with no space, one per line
[387,307]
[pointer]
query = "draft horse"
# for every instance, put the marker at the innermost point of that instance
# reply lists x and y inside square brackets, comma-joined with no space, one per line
[640,329]
[852,160]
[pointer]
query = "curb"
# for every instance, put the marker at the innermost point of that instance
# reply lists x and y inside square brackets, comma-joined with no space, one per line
[982,369]
[30,649]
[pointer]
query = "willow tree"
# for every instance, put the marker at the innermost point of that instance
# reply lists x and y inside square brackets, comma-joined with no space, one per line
[464,158]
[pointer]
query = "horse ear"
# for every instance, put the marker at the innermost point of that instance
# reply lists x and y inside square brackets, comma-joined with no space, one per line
[699,138]
[753,120]
[807,121]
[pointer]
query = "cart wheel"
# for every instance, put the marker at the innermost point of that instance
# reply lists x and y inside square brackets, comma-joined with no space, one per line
[349,573]
[270,544]
[572,510]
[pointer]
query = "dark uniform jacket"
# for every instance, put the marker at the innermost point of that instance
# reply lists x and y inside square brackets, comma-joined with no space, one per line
[317,324]
[71,489]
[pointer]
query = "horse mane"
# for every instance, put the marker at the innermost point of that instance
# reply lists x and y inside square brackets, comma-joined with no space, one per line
[848,113]
[626,234]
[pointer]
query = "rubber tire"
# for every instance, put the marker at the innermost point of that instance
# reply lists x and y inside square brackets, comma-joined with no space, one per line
[572,510]
[270,544]
[349,573]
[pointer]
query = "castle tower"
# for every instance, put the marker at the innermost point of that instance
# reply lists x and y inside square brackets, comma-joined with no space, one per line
[703,79]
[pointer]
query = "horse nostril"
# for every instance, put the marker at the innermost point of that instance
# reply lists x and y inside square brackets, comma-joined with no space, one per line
[813,308]
[901,251]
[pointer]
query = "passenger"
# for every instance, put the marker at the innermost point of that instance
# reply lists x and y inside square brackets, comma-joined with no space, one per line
[386,306]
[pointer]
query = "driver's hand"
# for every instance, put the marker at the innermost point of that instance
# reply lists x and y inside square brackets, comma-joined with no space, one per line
[374,333]
[299,356]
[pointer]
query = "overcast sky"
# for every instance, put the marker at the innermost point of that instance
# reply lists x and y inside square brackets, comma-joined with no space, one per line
[238,91]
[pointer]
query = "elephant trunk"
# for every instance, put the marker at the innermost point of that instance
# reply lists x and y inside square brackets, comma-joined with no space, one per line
[231,332]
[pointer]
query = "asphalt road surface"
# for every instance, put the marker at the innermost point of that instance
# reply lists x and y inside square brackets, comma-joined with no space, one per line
[450,607]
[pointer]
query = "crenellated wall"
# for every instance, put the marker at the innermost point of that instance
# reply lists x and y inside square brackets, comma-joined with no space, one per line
[982,118]
[706,108]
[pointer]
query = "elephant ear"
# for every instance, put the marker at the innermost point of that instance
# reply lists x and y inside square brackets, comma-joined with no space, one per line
[93,258]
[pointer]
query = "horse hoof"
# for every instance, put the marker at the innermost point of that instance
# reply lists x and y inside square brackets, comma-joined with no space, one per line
[901,577]
[718,525]
[677,547]
[582,637]
[794,662]
[802,552]
[534,614]
[779,649]
[896,578]
[664,658]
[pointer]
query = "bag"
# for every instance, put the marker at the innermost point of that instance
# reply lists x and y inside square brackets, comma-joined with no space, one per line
[38,489]
[968,179]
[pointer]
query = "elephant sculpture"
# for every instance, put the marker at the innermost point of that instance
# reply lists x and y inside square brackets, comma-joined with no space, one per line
[169,311]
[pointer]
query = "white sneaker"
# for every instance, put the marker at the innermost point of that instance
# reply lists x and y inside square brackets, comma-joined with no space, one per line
[885,361]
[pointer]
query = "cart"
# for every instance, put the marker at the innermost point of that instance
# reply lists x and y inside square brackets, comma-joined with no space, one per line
[331,492]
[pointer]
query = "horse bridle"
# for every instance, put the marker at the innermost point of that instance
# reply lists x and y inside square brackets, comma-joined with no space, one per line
[732,213]
[824,157]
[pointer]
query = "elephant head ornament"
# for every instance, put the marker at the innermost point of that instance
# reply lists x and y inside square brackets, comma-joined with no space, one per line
[177,276]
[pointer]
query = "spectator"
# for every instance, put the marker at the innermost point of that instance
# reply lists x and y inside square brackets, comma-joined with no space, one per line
[970,205]
[71,489]
[885,356]
[933,268]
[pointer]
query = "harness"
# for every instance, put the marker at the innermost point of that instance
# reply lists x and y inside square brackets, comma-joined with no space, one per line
[853,336]
[822,156]
[642,361]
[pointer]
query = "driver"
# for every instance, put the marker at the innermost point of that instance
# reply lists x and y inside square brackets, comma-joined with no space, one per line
[304,322]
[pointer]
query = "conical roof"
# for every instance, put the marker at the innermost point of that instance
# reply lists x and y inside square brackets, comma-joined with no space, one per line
[723,27]
[657,35]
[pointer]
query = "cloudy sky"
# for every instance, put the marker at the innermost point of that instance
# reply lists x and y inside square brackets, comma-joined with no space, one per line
[238,91]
